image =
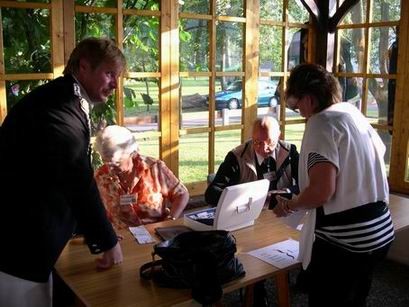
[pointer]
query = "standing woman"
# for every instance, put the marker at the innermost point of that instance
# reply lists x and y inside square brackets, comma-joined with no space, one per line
[344,188]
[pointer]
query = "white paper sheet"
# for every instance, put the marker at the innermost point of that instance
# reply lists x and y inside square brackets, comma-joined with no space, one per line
[281,254]
[142,235]
[294,220]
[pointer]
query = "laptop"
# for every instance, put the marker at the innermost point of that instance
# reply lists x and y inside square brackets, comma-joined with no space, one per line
[238,207]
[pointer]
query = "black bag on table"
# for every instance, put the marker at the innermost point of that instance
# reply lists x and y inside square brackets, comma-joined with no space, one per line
[200,260]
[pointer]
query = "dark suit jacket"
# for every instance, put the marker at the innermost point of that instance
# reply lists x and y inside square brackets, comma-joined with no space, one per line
[47,183]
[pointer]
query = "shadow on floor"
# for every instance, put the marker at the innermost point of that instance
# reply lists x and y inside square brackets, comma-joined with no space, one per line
[390,288]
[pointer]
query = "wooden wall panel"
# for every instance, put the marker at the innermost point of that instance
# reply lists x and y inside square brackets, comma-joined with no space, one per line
[399,155]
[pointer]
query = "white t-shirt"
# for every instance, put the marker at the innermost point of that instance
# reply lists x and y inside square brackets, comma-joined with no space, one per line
[344,137]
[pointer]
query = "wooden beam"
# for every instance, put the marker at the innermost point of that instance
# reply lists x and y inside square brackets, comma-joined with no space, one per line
[340,14]
[119,93]
[400,137]
[312,8]
[251,67]
[164,90]
[57,37]
[175,100]
[212,87]
[69,28]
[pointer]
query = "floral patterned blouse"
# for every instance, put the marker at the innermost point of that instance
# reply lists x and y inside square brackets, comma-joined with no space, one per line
[153,193]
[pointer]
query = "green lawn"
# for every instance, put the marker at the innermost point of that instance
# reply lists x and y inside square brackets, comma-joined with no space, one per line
[193,154]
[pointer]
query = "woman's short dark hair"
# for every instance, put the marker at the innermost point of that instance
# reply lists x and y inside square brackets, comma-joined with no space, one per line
[95,51]
[314,80]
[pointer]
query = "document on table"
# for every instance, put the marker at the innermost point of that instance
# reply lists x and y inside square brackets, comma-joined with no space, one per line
[141,235]
[281,254]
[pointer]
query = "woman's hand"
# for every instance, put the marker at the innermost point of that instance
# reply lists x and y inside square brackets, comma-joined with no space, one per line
[282,208]
[110,258]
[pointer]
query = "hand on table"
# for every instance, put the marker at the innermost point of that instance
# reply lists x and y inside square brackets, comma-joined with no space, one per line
[110,258]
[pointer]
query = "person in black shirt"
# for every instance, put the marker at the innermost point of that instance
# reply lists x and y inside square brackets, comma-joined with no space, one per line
[263,156]
[47,183]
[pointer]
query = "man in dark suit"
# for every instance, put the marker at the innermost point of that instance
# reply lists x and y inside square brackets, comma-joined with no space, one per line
[46,184]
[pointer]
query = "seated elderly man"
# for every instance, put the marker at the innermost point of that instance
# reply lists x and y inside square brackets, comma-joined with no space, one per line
[135,189]
[263,156]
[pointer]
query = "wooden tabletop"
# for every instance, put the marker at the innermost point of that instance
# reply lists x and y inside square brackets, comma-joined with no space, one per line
[399,207]
[122,286]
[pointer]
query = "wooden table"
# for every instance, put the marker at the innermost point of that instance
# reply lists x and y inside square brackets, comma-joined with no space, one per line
[121,285]
[399,206]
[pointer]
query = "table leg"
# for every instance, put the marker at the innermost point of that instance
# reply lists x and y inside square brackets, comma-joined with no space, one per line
[249,296]
[283,289]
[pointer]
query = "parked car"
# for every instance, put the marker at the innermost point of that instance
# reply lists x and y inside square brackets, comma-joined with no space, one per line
[231,97]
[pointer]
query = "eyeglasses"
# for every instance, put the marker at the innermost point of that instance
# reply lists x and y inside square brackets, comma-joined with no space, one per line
[292,103]
[269,143]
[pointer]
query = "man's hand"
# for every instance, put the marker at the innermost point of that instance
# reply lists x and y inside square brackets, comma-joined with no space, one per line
[110,257]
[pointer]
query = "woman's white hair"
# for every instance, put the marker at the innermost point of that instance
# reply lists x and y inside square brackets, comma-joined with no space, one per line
[115,141]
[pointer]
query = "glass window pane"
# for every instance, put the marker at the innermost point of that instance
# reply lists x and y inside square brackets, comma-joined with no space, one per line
[224,142]
[195,108]
[193,157]
[385,10]
[297,12]
[294,134]
[297,47]
[194,45]
[141,104]
[197,7]
[230,8]
[26,40]
[381,40]
[96,25]
[18,89]
[272,10]
[386,138]
[103,114]
[148,146]
[99,3]
[268,96]
[271,54]
[377,106]
[150,5]
[141,43]
[356,14]
[351,90]
[229,98]
[351,52]
[229,47]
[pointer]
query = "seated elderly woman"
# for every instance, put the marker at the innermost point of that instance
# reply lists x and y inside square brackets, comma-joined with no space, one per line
[135,189]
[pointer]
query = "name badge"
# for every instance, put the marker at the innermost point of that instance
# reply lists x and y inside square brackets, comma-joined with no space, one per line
[127,199]
[270,176]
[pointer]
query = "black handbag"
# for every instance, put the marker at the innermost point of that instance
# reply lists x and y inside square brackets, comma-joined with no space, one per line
[200,260]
